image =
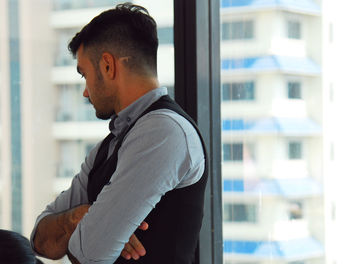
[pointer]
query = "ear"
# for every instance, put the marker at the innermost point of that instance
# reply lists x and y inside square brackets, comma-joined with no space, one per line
[107,65]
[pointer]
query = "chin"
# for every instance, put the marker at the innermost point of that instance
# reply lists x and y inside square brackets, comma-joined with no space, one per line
[104,116]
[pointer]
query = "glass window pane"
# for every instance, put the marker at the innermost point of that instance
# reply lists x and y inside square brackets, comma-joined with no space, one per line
[226,92]
[238,91]
[225,31]
[237,151]
[295,150]
[239,213]
[227,150]
[237,30]
[294,29]
[294,90]
[233,152]
[296,210]
[249,29]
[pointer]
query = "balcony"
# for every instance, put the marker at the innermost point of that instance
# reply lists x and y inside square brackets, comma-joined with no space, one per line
[307,7]
[287,250]
[297,188]
[271,126]
[302,66]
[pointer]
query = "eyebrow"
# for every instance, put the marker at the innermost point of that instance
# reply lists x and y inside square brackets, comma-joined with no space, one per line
[78,69]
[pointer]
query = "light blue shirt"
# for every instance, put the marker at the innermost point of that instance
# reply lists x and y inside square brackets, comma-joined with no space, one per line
[160,153]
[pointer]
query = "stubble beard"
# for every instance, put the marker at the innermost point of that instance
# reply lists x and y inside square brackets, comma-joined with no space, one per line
[103,115]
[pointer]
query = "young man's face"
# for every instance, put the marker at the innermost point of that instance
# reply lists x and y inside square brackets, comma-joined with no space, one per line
[95,89]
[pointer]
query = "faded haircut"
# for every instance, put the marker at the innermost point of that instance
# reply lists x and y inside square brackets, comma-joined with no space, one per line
[125,31]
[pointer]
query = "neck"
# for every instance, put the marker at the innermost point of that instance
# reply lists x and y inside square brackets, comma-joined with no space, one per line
[132,88]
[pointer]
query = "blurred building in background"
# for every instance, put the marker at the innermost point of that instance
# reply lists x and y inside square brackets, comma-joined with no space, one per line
[284,131]
[272,115]
[284,119]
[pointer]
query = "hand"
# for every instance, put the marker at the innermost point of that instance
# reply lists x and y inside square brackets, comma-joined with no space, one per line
[134,249]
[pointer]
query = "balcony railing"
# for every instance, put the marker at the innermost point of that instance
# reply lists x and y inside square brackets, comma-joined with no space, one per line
[87,114]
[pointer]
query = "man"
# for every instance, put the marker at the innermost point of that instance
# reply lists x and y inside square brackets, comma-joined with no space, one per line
[150,167]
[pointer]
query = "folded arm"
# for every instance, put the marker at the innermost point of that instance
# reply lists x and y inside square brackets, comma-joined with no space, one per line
[152,160]
[54,231]
[54,227]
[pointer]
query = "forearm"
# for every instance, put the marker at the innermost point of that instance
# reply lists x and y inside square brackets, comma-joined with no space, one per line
[54,231]
[51,238]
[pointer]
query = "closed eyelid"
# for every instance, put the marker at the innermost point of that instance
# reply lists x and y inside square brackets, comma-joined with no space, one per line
[79,70]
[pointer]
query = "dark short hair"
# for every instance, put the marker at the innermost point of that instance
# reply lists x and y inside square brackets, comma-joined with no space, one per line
[15,249]
[126,30]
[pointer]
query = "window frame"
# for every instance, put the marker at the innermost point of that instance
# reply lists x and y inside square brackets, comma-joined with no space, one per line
[198,91]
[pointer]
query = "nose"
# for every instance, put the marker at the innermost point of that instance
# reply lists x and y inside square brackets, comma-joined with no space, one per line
[85,93]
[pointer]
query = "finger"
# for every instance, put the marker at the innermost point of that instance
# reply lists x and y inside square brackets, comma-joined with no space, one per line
[136,244]
[143,226]
[125,254]
[129,248]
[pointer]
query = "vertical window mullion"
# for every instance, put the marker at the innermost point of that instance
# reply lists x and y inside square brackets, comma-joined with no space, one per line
[197,90]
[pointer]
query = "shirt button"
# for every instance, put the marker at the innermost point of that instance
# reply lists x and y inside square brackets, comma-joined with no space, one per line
[128,119]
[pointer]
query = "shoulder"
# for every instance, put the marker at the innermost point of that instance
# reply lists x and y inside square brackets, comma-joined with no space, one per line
[167,139]
[169,120]
[167,123]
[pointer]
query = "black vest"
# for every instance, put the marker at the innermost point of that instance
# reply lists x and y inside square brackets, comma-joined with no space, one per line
[175,222]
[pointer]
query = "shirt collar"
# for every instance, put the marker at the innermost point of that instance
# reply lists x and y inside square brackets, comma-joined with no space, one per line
[129,114]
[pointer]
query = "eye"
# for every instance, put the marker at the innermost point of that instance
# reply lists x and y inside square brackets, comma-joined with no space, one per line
[82,76]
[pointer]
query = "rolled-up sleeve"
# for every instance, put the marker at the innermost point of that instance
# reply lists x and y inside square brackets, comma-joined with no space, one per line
[72,197]
[153,159]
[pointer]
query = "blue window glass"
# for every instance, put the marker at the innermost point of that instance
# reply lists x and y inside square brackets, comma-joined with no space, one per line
[233,152]
[226,92]
[295,150]
[294,90]
[238,91]
[294,29]
[238,30]
[240,213]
